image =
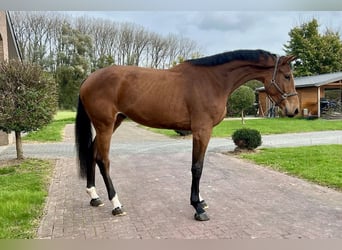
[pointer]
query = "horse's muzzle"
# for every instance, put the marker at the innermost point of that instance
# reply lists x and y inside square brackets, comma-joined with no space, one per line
[291,114]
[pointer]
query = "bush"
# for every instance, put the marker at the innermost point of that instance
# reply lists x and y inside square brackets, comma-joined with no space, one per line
[183,132]
[246,138]
[28,99]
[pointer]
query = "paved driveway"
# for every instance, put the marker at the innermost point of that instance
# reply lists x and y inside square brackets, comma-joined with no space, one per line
[152,176]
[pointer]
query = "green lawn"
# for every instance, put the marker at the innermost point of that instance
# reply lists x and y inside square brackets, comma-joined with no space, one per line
[23,190]
[277,126]
[53,131]
[319,164]
[269,126]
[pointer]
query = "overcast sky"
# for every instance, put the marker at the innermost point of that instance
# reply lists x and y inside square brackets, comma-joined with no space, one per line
[219,31]
[216,25]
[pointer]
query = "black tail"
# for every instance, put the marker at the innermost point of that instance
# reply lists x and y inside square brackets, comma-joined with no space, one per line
[83,139]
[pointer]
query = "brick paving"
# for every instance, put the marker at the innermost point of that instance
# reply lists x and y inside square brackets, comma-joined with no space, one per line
[152,176]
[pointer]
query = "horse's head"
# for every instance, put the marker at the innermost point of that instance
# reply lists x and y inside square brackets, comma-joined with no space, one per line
[280,86]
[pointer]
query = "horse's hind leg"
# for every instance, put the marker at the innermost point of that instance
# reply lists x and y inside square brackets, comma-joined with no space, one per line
[91,190]
[102,144]
[119,118]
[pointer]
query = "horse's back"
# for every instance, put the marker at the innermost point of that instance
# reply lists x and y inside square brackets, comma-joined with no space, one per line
[151,97]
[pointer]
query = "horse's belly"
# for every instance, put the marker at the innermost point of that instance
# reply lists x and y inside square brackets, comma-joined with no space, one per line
[166,120]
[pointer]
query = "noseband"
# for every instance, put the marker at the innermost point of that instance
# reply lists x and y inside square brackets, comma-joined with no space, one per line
[283,94]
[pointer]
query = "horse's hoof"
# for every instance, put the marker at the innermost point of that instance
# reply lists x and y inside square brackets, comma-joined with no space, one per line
[204,205]
[201,217]
[96,202]
[118,211]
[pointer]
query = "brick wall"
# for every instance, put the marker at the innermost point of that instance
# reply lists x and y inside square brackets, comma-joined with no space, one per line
[1,48]
[6,52]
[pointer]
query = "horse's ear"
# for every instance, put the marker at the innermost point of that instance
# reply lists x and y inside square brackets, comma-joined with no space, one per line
[289,58]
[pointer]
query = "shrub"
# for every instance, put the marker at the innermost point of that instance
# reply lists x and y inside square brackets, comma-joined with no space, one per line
[246,138]
[28,99]
[183,132]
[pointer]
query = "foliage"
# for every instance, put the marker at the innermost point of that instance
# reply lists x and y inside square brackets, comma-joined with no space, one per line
[72,65]
[247,138]
[23,189]
[28,97]
[317,53]
[103,61]
[254,84]
[320,164]
[69,84]
[240,100]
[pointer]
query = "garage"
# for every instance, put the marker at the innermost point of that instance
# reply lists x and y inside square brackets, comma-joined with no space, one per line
[319,96]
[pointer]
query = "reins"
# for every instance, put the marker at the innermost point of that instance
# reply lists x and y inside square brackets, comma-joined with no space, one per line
[283,94]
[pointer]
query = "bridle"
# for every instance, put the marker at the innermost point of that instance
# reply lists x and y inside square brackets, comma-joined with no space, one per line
[283,94]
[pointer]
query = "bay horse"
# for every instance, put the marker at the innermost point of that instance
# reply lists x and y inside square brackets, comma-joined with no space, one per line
[190,96]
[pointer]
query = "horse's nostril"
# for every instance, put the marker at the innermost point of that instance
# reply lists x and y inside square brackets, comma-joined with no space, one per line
[296,111]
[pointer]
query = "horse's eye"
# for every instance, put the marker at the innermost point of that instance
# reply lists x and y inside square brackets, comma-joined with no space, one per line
[287,77]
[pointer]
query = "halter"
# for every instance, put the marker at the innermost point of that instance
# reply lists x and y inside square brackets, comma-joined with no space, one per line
[284,95]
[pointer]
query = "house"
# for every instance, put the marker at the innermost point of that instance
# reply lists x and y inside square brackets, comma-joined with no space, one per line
[312,90]
[8,50]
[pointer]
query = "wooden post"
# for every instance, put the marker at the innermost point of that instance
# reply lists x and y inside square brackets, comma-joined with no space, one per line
[319,102]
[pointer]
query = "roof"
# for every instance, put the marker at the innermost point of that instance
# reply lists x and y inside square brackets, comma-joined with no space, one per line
[12,35]
[318,80]
[314,81]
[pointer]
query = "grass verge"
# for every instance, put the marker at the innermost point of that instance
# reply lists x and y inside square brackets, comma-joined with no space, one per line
[319,164]
[269,126]
[277,126]
[53,131]
[23,190]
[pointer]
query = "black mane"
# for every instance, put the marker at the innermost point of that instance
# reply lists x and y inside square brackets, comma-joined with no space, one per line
[218,59]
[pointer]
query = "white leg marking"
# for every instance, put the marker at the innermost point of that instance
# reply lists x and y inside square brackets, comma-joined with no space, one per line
[200,198]
[92,193]
[115,201]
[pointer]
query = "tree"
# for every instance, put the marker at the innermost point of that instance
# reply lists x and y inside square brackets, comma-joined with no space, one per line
[253,84]
[42,36]
[241,99]
[104,36]
[317,53]
[28,99]
[36,35]
[73,65]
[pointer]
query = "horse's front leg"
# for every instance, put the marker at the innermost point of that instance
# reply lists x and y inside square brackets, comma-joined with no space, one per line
[102,160]
[200,142]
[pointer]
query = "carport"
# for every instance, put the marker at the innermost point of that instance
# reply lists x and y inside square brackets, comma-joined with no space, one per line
[312,90]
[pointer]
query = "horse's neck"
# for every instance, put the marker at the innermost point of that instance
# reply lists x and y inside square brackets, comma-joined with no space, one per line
[233,76]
